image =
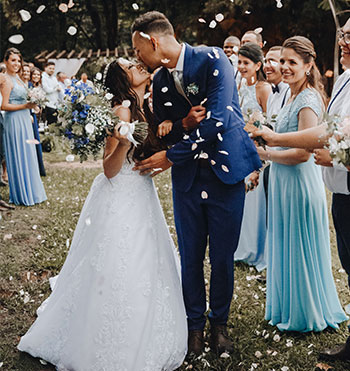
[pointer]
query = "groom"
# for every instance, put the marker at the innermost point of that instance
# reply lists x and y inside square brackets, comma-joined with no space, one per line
[210,156]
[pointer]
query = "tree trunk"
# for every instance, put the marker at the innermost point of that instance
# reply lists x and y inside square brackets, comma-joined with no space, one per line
[111,17]
[96,21]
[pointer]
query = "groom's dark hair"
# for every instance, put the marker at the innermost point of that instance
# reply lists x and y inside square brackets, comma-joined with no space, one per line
[152,21]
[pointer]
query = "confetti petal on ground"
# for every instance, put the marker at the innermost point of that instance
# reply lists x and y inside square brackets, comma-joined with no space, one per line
[63,8]
[16,39]
[225,168]
[135,6]
[204,195]
[145,35]
[258,354]
[165,60]
[216,73]
[72,30]
[164,89]
[126,103]
[25,15]
[219,17]
[276,338]
[70,158]
[194,146]
[285,368]
[224,355]
[202,20]
[7,236]
[34,227]
[220,137]
[168,104]
[218,124]
[212,24]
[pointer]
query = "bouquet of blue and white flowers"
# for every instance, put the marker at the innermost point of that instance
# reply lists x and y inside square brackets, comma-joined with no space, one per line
[38,96]
[86,119]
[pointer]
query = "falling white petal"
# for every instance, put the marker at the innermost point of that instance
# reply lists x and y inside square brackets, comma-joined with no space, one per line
[145,35]
[204,195]
[147,95]
[258,30]
[202,20]
[230,108]
[168,104]
[208,115]
[32,141]
[164,89]
[88,221]
[200,140]
[98,76]
[219,17]
[225,168]
[40,9]
[218,124]
[165,60]
[216,73]
[109,96]
[274,63]
[212,162]
[279,4]
[196,156]
[135,6]
[63,8]
[204,156]
[224,355]
[194,146]
[25,15]
[210,56]
[224,153]
[203,101]
[90,128]
[198,133]
[16,39]
[236,49]
[247,12]
[212,24]
[72,30]
[126,103]
[220,137]
[185,137]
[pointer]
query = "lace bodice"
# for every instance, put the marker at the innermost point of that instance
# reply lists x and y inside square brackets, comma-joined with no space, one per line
[19,92]
[247,98]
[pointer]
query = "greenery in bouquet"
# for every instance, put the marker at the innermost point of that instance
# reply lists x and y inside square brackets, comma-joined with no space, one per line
[85,118]
[339,139]
[38,96]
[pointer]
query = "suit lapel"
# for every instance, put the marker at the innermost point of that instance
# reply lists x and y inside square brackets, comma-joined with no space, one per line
[187,72]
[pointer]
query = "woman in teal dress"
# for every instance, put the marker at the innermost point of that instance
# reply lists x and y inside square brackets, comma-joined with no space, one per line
[25,184]
[301,294]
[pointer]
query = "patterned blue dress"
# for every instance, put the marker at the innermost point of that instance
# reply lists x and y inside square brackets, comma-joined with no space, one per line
[301,294]
[26,187]
[251,246]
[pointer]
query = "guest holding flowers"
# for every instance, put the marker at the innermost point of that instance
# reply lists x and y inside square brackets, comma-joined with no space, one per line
[35,82]
[25,184]
[301,295]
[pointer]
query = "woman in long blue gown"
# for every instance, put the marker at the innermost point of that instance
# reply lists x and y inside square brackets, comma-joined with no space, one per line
[253,94]
[26,187]
[301,294]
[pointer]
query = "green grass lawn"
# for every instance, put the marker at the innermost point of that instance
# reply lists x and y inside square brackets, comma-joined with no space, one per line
[34,242]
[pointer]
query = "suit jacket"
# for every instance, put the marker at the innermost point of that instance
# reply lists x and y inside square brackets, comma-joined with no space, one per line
[220,136]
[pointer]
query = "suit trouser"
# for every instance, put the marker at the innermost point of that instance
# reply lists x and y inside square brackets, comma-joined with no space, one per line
[51,115]
[218,217]
[341,216]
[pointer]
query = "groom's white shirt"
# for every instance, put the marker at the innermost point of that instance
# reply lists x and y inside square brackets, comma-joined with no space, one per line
[180,65]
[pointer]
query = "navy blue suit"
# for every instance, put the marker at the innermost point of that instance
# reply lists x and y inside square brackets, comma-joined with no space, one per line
[208,200]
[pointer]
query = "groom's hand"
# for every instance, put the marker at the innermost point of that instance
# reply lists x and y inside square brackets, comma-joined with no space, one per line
[194,117]
[154,164]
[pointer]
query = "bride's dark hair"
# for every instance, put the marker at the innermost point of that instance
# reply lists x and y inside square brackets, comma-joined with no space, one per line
[116,80]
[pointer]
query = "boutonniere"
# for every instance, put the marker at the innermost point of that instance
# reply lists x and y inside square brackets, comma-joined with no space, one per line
[193,89]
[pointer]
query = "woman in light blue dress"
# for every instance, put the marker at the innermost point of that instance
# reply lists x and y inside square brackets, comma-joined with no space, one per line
[25,184]
[253,95]
[301,294]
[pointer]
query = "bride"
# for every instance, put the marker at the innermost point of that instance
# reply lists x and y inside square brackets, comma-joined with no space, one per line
[117,303]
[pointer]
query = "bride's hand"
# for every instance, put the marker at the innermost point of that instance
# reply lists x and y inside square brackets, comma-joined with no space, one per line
[164,128]
[122,139]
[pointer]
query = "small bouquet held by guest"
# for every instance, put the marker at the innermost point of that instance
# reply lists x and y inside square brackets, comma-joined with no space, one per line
[339,140]
[37,96]
[86,119]
[255,121]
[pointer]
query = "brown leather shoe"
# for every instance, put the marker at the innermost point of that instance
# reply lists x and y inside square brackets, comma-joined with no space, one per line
[341,352]
[6,205]
[220,341]
[195,343]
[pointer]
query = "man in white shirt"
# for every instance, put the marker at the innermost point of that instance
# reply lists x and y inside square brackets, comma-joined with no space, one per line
[61,78]
[281,90]
[84,80]
[53,90]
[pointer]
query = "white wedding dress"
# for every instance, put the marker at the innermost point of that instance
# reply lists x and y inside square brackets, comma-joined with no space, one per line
[117,304]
